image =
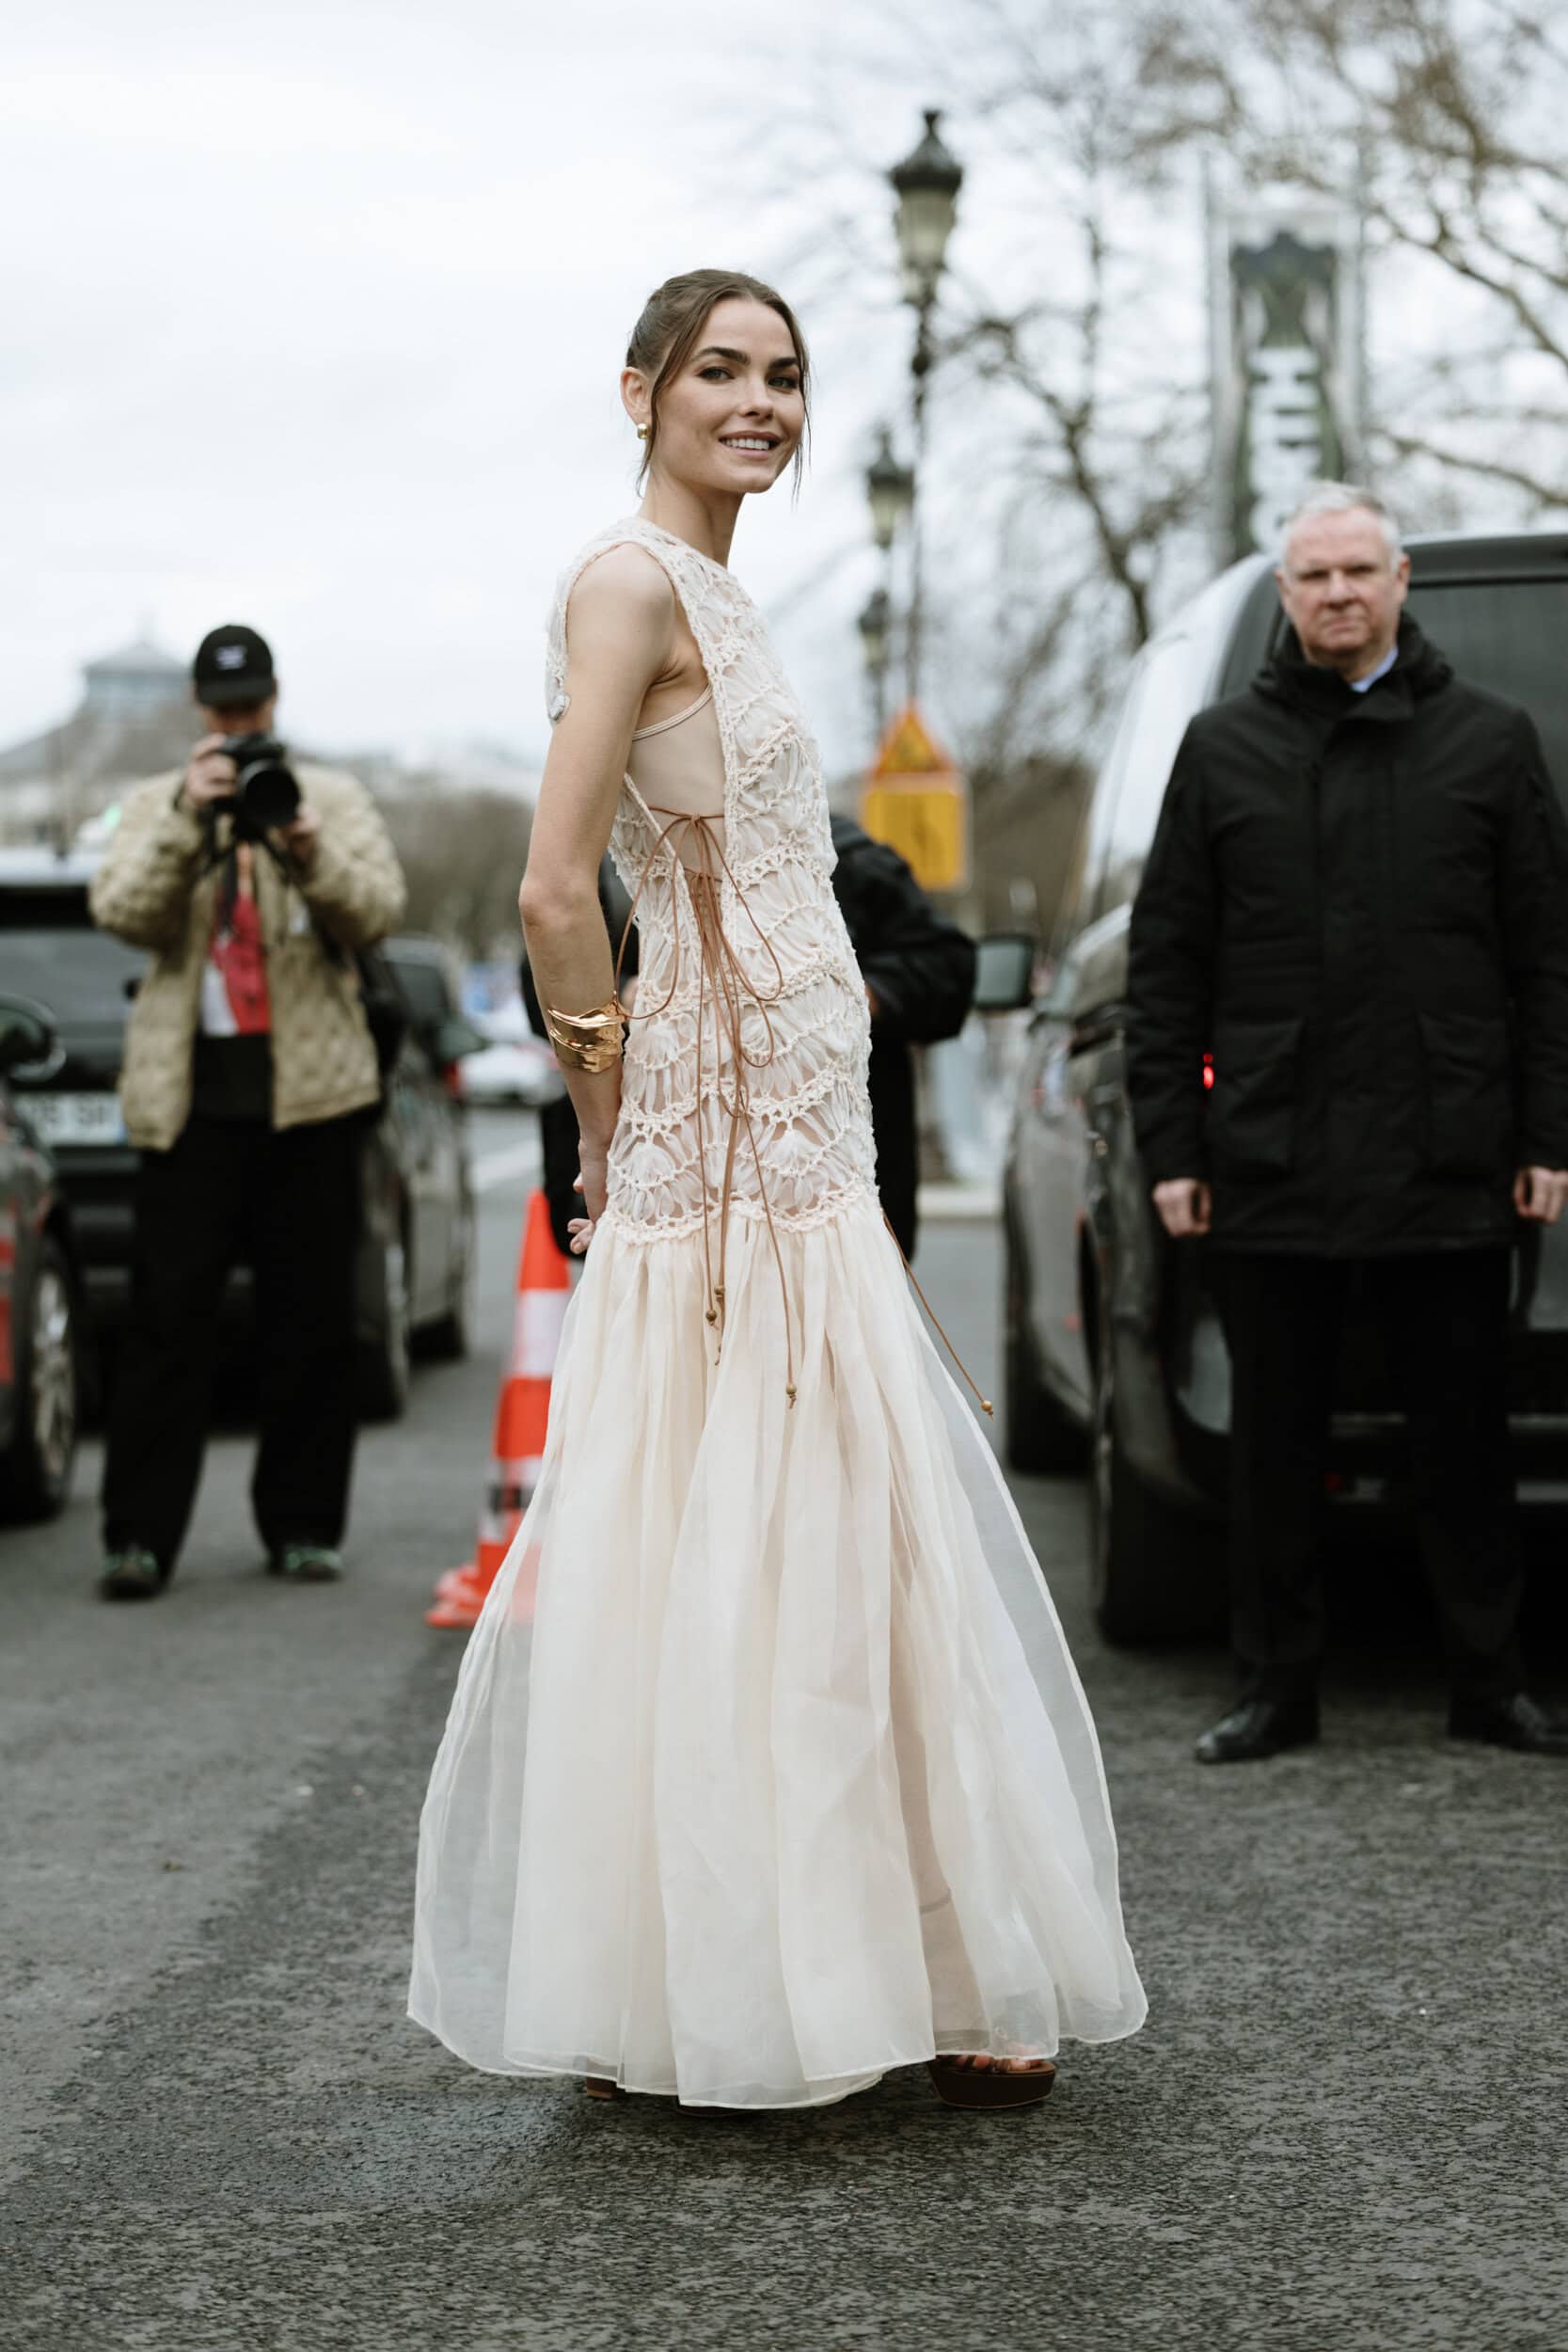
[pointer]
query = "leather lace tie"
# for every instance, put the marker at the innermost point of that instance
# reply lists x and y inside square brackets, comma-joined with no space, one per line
[721,977]
[721,971]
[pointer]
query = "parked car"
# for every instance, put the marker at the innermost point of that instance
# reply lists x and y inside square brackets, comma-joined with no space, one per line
[39,1289]
[1114,1354]
[514,1066]
[418,1260]
[417,1257]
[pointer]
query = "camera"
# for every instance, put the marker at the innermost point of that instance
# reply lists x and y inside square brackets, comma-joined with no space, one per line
[266,792]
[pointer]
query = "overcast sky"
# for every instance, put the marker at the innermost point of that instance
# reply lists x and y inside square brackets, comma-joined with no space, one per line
[314,316]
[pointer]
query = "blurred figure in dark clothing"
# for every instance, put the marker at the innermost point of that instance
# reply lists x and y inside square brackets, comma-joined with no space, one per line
[919,973]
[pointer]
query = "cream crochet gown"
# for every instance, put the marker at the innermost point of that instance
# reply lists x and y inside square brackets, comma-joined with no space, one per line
[768,1767]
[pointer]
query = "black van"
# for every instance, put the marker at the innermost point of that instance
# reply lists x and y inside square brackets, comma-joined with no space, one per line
[1113,1350]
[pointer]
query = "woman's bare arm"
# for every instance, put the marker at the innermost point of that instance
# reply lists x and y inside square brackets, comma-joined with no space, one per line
[622,634]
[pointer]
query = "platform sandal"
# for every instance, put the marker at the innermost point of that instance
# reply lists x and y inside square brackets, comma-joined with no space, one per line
[962,2082]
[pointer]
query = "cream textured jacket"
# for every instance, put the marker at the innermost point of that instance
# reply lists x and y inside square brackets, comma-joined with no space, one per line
[150,890]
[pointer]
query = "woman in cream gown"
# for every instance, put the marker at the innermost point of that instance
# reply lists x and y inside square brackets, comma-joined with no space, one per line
[768,1768]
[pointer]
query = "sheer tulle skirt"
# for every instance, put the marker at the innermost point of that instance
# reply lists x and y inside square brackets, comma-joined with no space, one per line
[768,1768]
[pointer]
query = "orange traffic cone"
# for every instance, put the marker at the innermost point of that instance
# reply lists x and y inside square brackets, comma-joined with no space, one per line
[544,1284]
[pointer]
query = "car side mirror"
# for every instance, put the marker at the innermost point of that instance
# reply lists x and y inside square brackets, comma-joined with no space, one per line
[1005,972]
[29,1048]
[452,1037]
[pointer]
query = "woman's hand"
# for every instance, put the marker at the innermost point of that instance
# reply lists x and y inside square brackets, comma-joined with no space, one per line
[592,1162]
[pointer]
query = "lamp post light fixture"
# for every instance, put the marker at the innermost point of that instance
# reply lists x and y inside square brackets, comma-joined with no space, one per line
[927,185]
[889,491]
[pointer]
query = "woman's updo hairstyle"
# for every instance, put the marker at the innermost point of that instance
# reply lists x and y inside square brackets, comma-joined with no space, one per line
[673,317]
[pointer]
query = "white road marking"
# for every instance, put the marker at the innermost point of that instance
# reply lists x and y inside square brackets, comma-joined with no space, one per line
[496,1168]
[958,1203]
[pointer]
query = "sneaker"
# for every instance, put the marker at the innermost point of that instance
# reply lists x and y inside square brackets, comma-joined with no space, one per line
[133,1574]
[308,1563]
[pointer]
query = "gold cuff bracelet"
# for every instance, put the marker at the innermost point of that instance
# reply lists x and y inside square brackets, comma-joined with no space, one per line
[587,1040]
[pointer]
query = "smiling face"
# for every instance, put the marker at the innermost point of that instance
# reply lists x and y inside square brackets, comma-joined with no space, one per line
[730,417]
[1342,588]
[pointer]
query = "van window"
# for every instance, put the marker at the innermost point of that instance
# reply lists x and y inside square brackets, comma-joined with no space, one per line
[1102,808]
[1171,688]
[82,977]
[1257,629]
[1512,637]
[423,987]
[51,951]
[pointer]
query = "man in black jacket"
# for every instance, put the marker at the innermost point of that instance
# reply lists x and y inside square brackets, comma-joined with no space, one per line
[1356,903]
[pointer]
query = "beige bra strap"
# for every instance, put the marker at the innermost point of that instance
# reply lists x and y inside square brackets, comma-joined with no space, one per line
[661,726]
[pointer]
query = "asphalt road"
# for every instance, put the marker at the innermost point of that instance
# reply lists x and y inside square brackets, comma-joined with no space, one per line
[1343,2130]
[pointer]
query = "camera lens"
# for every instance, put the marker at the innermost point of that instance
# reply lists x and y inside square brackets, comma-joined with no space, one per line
[266,793]
[268,797]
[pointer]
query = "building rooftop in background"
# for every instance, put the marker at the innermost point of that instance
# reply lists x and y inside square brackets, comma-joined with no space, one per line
[135,717]
[140,677]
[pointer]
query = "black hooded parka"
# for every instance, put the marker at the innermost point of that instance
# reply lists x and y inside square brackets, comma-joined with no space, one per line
[1357,906]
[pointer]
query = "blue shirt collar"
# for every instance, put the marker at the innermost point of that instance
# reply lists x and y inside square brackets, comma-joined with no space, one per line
[1363,685]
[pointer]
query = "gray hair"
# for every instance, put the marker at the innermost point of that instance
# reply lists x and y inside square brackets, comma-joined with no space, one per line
[1342,498]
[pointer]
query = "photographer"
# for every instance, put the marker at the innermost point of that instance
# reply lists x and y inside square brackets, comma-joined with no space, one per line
[249,1070]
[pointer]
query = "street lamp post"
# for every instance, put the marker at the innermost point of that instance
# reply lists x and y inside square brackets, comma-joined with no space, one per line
[927,185]
[875,625]
[890,495]
[888,491]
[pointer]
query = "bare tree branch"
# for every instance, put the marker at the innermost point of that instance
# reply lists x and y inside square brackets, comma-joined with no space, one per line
[1486,469]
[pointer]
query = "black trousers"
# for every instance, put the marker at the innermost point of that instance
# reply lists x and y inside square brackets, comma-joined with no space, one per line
[233,1191]
[1445,1318]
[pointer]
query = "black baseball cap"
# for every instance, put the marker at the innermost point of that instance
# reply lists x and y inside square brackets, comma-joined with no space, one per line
[233,669]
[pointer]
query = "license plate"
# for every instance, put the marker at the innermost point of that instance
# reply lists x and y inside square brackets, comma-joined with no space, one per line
[77,1118]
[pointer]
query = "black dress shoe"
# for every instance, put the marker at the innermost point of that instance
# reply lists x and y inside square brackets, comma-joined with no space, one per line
[132,1574]
[1259,1727]
[1515,1723]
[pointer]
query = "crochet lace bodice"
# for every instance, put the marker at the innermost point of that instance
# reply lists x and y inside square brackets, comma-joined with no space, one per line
[773,966]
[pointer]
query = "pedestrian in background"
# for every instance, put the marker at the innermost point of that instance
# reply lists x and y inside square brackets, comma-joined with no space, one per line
[249,1072]
[1358,901]
[918,968]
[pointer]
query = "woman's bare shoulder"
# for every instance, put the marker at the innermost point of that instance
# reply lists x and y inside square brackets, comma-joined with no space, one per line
[623,584]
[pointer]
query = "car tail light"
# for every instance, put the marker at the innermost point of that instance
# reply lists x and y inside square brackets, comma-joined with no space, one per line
[1208,1072]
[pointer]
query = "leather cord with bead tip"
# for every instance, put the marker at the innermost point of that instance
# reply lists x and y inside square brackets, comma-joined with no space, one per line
[984,1401]
[721,976]
[718,966]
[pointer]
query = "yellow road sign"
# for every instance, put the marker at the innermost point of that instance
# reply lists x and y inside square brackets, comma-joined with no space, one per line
[929,829]
[917,802]
[908,748]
